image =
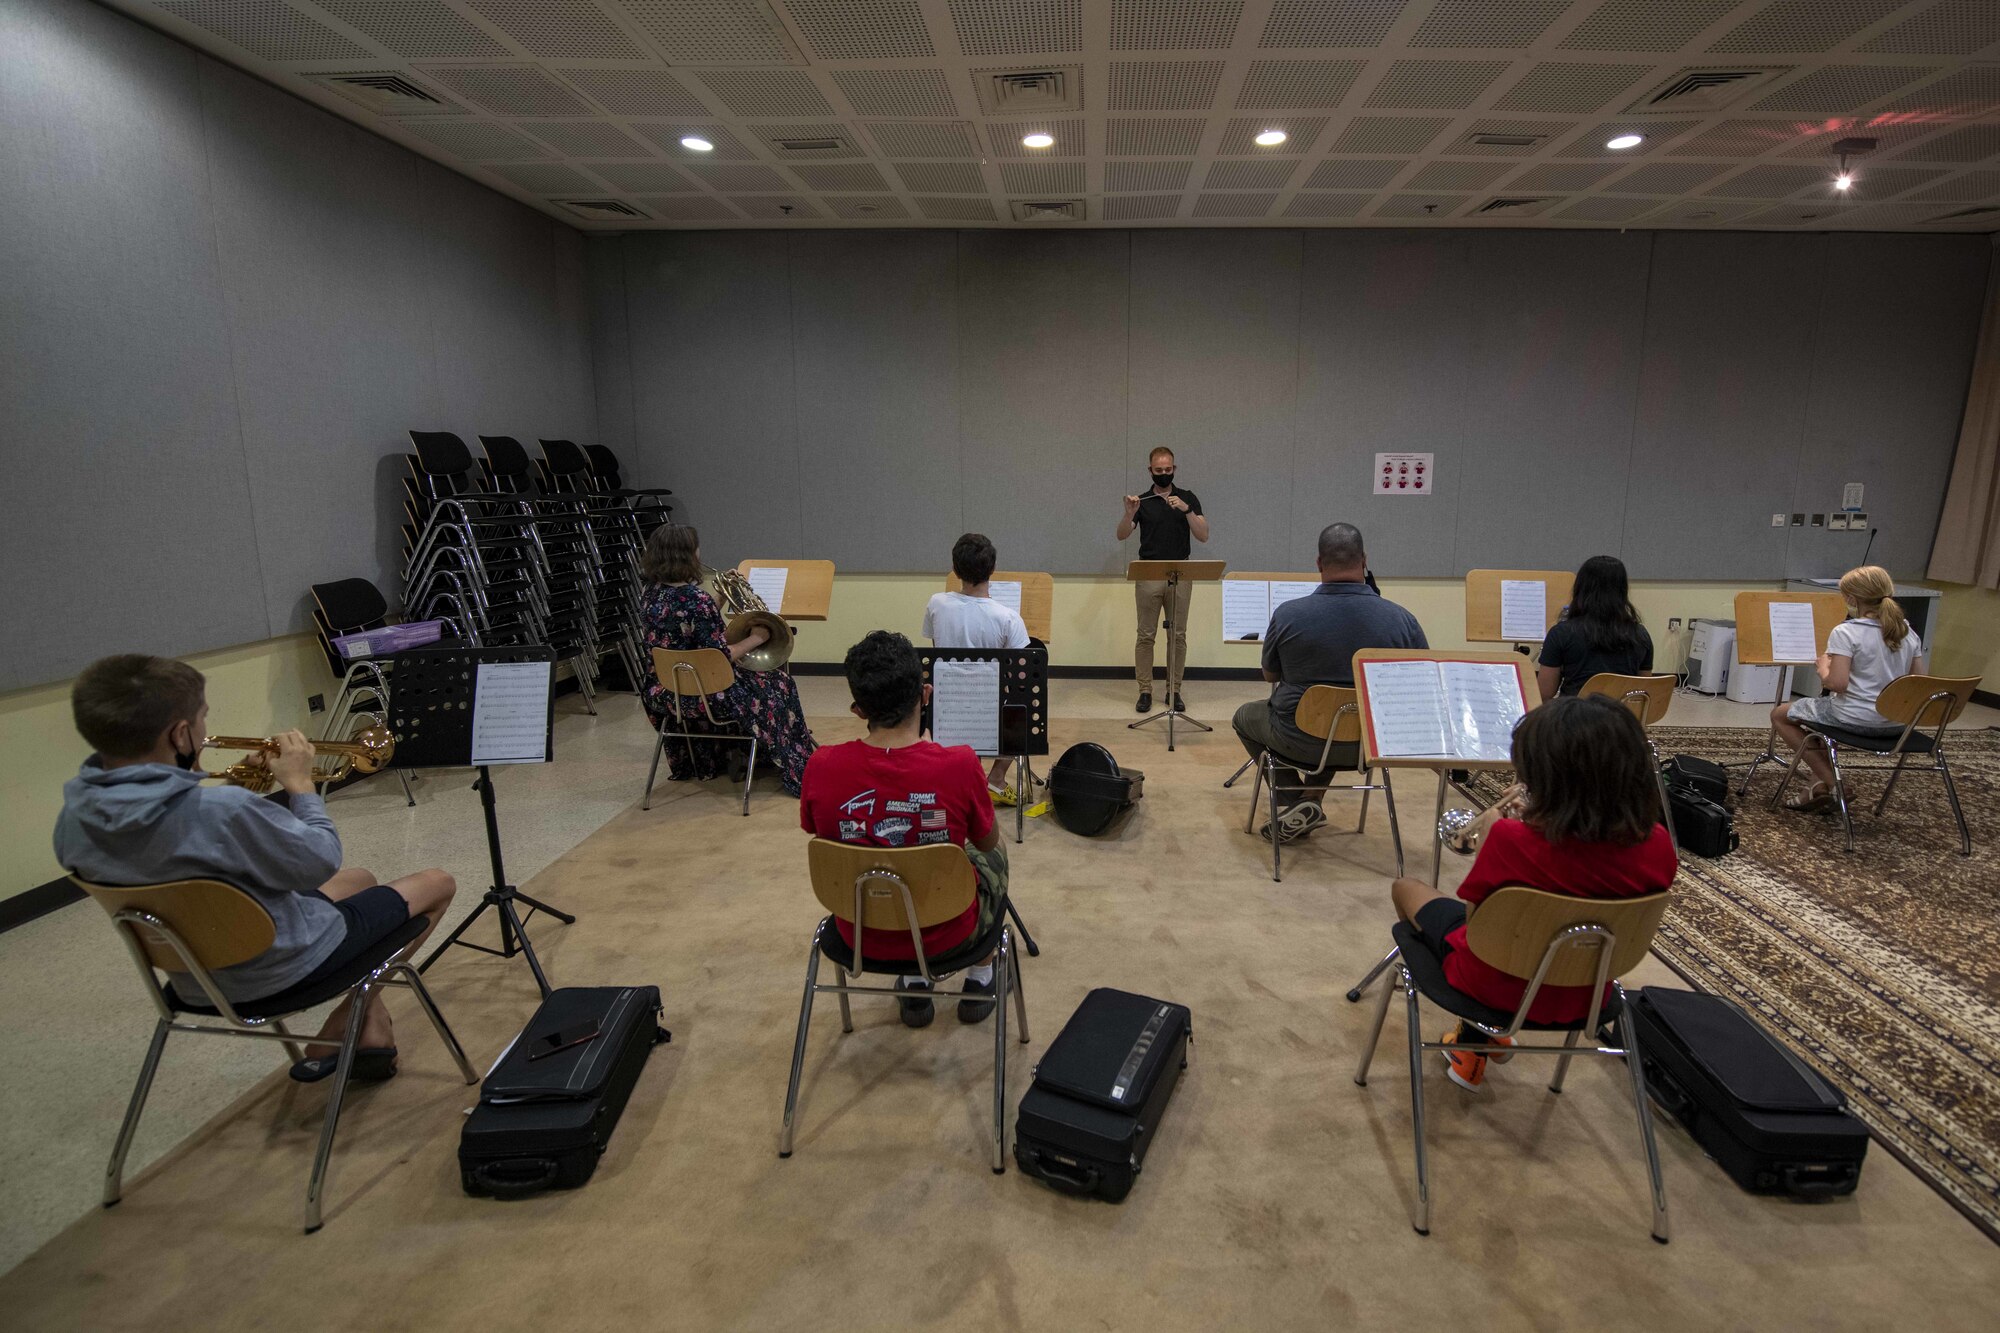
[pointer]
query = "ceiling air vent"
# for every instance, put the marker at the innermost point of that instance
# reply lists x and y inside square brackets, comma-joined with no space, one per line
[828,144]
[1510,205]
[1065,210]
[1983,210]
[1707,89]
[601,210]
[1017,91]
[386,93]
[1488,140]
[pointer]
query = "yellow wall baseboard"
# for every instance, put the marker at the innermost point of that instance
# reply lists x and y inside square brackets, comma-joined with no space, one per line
[257,688]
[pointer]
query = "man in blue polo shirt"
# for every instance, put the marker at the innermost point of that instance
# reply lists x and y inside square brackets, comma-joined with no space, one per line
[1312,641]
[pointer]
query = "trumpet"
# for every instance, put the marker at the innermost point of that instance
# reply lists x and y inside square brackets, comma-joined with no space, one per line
[733,596]
[368,751]
[1455,826]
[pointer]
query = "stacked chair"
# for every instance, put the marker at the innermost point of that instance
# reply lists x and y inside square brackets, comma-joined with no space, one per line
[511,559]
[351,606]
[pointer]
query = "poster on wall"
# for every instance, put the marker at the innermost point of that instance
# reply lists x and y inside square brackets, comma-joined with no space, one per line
[1405,474]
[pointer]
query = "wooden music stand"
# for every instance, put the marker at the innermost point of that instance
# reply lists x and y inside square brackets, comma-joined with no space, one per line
[1482,601]
[1038,596]
[1753,648]
[1173,573]
[808,586]
[1531,696]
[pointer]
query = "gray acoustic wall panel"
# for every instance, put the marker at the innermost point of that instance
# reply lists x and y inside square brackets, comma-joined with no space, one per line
[610,343]
[1214,366]
[1722,400]
[1042,395]
[117,400]
[1383,350]
[323,242]
[225,309]
[710,327]
[1888,391]
[1551,370]
[875,370]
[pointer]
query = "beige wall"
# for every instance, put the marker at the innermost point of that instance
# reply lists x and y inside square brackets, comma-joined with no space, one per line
[258,687]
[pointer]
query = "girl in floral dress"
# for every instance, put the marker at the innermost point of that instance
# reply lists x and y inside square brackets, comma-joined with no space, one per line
[678,615]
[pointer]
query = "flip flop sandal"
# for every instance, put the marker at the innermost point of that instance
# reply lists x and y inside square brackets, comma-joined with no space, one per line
[1812,804]
[372,1064]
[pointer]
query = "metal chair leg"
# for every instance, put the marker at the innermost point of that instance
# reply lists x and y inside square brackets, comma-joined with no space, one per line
[659,748]
[315,1187]
[114,1173]
[436,1016]
[1798,758]
[846,1013]
[1636,1067]
[1256,794]
[750,773]
[1902,758]
[1422,1220]
[1361,824]
[1277,842]
[1020,1000]
[1231,782]
[1840,793]
[295,1049]
[1562,1062]
[1374,1032]
[1354,995]
[1770,749]
[1002,969]
[1951,794]
[799,1048]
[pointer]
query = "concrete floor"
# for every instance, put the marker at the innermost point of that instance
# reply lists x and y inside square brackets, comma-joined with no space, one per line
[1280,1190]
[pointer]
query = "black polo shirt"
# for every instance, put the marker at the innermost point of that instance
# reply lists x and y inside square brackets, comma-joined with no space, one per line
[1163,529]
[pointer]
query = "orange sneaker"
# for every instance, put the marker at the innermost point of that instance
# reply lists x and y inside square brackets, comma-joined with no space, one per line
[1465,1068]
[1494,1039]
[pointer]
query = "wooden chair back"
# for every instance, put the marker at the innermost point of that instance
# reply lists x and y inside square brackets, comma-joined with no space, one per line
[1319,706]
[711,666]
[942,882]
[221,923]
[1658,691]
[1512,929]
[1903,697]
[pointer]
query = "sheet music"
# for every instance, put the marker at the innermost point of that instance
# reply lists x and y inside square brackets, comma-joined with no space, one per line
[1793,638]
[1483,702]
[510,712]
[1007,592]
[1286,590]
[1246,609]
[965,704]
[1406,708]
[1524,609]
[768,582]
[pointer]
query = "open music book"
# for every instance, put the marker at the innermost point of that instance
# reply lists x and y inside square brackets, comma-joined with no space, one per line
[1247,605]
[1420,708]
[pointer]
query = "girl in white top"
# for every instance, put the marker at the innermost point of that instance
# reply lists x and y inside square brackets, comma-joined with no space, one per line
[1862,656]
[972,619]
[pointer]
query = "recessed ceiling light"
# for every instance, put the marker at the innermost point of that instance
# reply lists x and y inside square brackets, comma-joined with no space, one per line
[697,143]
[1271,138]
[1845,180]
[1038,140]
[1625,141]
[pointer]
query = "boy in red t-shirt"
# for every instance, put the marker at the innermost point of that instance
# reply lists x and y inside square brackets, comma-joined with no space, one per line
[896,787]
[1584,821]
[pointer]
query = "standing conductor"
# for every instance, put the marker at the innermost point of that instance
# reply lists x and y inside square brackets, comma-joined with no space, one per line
[1166,517]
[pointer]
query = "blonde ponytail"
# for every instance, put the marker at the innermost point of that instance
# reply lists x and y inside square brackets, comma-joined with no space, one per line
[1871,590]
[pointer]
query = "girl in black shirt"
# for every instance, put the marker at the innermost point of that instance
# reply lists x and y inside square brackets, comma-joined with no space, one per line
[1599,631]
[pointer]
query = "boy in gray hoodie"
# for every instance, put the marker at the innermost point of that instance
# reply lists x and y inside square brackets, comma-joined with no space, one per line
[136,814]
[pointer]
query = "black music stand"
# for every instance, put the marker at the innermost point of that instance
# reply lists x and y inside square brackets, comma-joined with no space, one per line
[433,714]
[1024,726]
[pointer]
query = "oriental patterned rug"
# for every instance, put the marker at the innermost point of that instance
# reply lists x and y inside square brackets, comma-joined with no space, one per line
[1881,967]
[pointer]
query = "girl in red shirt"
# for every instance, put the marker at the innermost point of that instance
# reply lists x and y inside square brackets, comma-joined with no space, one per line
[1583,820]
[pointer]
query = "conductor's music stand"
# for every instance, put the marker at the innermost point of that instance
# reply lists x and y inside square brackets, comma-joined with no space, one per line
[440,720]
[1173,573]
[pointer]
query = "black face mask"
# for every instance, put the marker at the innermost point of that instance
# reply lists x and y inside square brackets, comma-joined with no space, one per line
[1163,478]
[186,758]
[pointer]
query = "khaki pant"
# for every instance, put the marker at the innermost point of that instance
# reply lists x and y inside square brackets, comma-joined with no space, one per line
[1151,599]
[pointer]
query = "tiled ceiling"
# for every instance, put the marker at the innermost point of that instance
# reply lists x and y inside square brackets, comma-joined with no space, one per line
[871,113]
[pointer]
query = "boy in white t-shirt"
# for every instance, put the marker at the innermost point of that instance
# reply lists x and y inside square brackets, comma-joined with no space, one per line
[1863,655]
[972,619]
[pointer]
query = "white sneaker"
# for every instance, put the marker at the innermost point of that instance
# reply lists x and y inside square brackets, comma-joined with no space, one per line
[1297,822]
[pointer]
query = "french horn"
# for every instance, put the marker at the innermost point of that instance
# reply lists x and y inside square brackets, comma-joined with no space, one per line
[744,611]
